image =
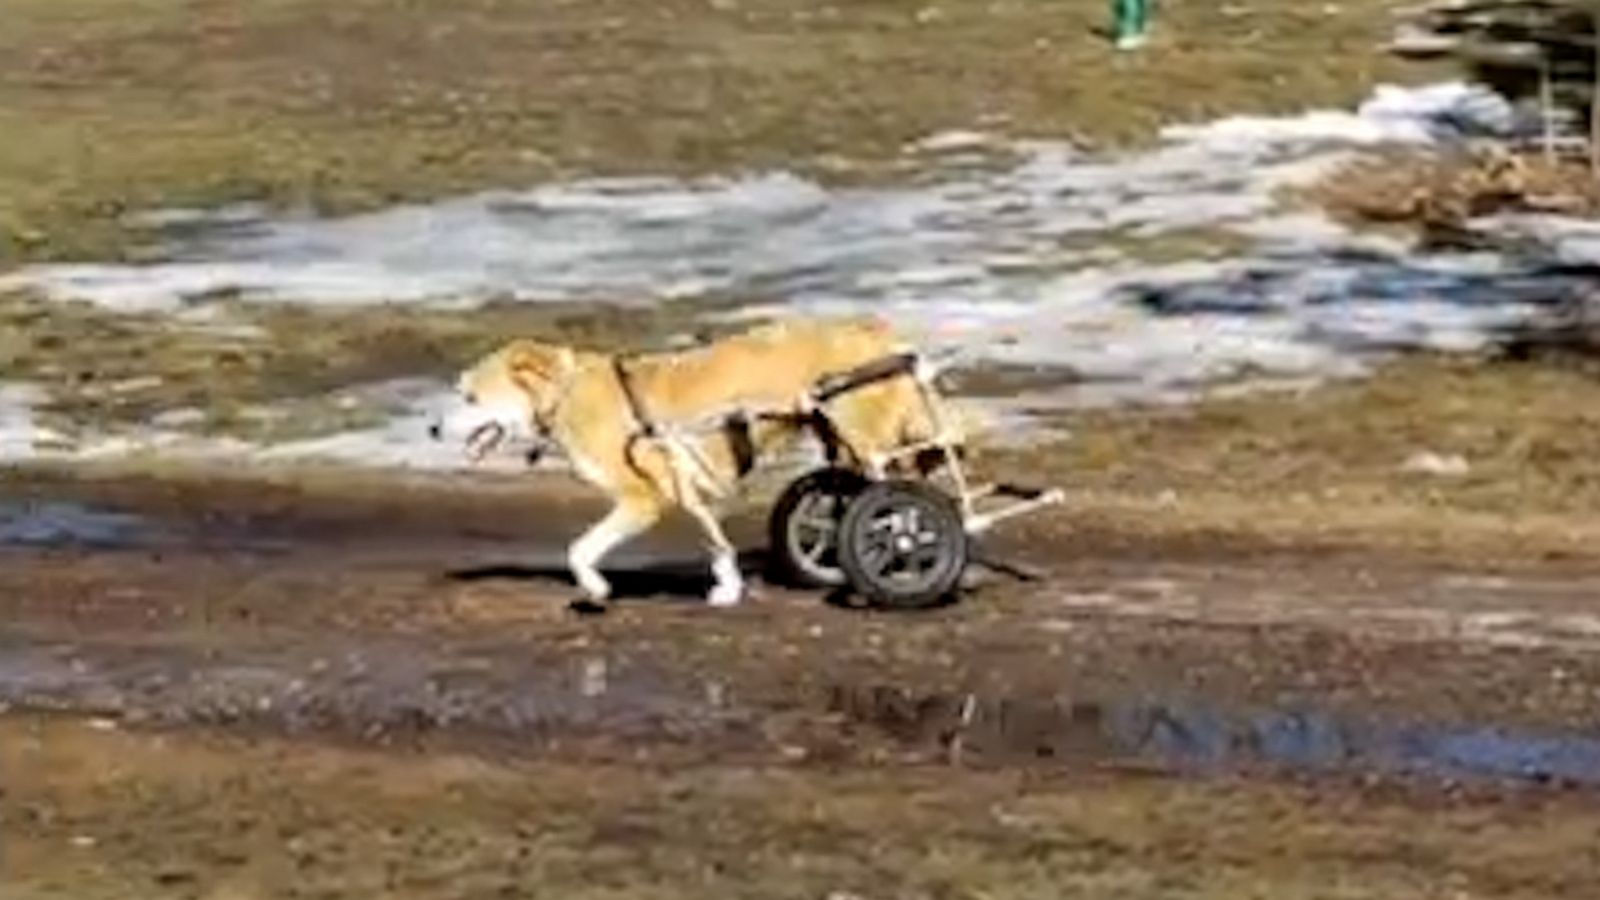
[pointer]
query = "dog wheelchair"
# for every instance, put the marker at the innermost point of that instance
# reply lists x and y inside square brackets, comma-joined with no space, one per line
[898,541]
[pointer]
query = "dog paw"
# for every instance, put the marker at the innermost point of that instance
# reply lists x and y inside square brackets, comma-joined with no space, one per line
[725,595]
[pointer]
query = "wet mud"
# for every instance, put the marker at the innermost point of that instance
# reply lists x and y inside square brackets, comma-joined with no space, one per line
[338,617]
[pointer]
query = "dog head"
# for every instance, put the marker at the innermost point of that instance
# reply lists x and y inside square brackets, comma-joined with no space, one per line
[512,392]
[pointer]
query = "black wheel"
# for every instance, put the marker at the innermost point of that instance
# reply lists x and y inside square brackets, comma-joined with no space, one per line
[902,544]
[803,529]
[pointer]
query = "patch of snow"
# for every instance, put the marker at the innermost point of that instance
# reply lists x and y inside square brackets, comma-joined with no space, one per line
[953,141]
[767,235]
[19,435]
[1027,260]
[177,419]
[401,442]
[1573,240]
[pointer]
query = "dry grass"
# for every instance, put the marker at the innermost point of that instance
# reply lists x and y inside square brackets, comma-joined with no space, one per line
[1330,465]
[128,104]
[1432,190]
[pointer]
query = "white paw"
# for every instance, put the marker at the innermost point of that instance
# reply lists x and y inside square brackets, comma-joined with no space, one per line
[726,594]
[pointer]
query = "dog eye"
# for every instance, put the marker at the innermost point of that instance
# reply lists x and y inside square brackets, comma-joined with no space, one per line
[472,399]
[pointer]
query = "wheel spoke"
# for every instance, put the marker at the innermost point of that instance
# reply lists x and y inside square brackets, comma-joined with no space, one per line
[814,530]
[925,557]
[805,532]
[815,552]
[877,555]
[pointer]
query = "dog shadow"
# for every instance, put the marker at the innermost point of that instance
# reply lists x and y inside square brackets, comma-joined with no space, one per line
[688,581]
[667,581]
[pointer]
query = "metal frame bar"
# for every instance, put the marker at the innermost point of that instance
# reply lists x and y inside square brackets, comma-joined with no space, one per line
[967,495]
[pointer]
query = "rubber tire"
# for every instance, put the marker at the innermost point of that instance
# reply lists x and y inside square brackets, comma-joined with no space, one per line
[953,551]
[785,564]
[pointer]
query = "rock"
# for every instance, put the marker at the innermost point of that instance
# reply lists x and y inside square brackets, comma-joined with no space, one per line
[1426,462]
[30,238]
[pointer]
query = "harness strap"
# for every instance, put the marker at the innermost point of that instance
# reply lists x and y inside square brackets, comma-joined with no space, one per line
[681,453]
[742,442]
[647,426]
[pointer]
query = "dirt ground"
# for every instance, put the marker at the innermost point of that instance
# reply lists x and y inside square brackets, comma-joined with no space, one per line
[233,687]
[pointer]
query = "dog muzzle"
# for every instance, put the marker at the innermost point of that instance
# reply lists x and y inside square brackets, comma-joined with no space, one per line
[488,437]
[484,430]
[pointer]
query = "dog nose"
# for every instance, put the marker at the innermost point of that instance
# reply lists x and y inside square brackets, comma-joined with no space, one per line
[435,431]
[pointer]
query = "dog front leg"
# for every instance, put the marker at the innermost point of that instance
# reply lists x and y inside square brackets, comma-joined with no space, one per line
[627,519]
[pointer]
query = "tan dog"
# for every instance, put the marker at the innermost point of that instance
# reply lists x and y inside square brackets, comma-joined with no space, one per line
[576,401]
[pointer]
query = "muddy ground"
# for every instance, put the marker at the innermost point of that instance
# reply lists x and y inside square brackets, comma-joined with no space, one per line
[245,688]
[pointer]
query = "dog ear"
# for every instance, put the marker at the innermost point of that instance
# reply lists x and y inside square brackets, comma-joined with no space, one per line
[529,361]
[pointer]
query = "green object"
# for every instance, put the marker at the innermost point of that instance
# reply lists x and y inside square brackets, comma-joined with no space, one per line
[1131,20]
